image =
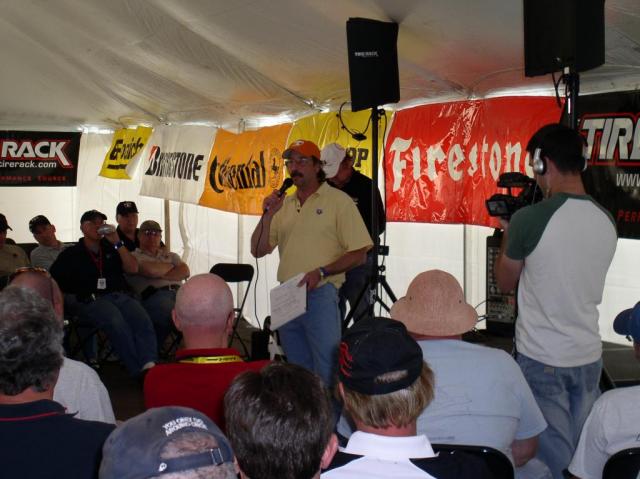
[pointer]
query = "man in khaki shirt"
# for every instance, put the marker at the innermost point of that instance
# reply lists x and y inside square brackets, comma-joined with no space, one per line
[318,232]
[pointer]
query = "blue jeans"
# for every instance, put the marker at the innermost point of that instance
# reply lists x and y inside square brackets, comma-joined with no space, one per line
[565,397]
[311,340]
[159,306]
[126,324]
[355,282]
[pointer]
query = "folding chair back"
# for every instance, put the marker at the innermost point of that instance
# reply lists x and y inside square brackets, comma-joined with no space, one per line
[497,462]
[236,273]
[623,465]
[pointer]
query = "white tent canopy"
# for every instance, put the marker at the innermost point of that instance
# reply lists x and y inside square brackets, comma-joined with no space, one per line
[94,64]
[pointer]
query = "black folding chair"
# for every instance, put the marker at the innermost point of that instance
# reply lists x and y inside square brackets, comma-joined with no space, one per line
[236,273]
[623,465]
[497,462]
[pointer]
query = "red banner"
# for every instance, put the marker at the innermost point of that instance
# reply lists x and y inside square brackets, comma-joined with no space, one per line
[443,160]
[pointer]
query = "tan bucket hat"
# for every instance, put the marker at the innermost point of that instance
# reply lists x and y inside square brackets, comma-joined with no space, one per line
[434,306]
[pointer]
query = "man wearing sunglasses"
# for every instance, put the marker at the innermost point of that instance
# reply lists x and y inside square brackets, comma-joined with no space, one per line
[159,276]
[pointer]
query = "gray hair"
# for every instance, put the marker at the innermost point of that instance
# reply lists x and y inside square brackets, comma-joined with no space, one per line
[30,342]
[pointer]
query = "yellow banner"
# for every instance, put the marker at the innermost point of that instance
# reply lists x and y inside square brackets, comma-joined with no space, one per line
[325,128]
[126,145]
[245,168]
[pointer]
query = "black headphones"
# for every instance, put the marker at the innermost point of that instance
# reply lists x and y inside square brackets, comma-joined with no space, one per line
[540,163]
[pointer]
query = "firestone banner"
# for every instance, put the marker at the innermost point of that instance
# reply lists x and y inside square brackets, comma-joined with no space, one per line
[175,162]
[325,128]
[244,168]
[42,158]
[610,124]
[443,160]
[126,148]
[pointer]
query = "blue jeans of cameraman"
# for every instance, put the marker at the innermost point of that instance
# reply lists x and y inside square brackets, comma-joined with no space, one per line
[565,397]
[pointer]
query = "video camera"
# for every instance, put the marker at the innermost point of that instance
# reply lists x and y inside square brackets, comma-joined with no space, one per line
[505,205]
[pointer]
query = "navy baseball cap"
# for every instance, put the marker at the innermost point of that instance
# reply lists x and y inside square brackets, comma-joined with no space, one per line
[628,323]
[92,215]
[4,226]
[376,346]
[133,450]
[126,207]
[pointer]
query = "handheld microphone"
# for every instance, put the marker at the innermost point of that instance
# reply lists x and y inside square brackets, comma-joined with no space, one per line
[286,184]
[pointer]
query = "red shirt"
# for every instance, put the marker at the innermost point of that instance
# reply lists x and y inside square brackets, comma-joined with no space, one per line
[198,379]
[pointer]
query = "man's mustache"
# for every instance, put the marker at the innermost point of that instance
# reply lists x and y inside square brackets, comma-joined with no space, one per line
[295,173]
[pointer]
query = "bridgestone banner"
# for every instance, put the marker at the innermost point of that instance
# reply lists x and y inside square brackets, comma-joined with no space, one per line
[39,158]
[175,162]
[610,124]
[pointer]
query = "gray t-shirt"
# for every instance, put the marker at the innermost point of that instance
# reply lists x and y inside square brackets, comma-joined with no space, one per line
[44,256]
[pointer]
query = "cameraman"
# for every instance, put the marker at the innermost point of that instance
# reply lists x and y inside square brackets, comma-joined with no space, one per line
[559,250]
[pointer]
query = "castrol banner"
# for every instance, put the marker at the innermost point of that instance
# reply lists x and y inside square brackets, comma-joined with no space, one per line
[244,168]
[39,158]
[610,123]
[443,160]
[174,162]
[126,147]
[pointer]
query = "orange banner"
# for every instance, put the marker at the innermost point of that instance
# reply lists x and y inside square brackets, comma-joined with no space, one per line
[244,168]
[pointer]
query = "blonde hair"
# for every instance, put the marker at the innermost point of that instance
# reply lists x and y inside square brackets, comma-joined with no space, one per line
[399,408]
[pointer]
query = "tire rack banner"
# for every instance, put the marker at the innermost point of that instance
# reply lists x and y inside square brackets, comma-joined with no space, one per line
[443,160]
[175,162]
[244,168]
[39,158]
[126,147]
[610,123]
[325,128]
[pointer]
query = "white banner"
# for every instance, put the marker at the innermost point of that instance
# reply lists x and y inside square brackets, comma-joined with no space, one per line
[175,162]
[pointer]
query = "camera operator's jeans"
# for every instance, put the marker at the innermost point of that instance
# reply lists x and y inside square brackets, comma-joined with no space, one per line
[355,282]
[565,397]
[159,306]
[126,324]
[311,340]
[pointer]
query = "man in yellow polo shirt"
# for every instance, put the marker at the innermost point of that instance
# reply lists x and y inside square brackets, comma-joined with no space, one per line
[319,232]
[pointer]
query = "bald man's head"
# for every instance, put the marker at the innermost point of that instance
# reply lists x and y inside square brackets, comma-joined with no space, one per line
[204,301]
[44,285]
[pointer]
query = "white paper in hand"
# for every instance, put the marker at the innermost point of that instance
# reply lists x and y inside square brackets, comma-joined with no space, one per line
[288,301]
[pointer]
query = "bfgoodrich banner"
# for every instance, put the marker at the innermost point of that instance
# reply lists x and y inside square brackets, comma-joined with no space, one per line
[175,162]
[42,158]
[611,125]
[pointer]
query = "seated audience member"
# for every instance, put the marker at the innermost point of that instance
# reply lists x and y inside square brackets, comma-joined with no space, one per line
[160,274]
[91,274]
[39,440]
[49,247]
[385,385]
[12,256]
[78,389]
[280,423]
[167,442]
[481,395]
[206,366]
[613,424]
[127,219]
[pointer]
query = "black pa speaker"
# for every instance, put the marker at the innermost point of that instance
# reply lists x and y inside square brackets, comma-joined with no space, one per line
[373,63]
[563,33]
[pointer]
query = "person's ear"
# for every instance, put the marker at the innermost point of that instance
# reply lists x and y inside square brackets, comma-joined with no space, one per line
[329,452]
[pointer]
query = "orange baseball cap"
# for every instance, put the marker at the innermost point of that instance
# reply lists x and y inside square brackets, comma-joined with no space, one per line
[305,148]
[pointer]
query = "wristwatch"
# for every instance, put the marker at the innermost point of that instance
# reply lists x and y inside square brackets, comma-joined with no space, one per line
[323,273]
[118,245]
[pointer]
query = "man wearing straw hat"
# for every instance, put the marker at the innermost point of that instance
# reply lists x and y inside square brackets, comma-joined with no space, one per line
[481,397]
